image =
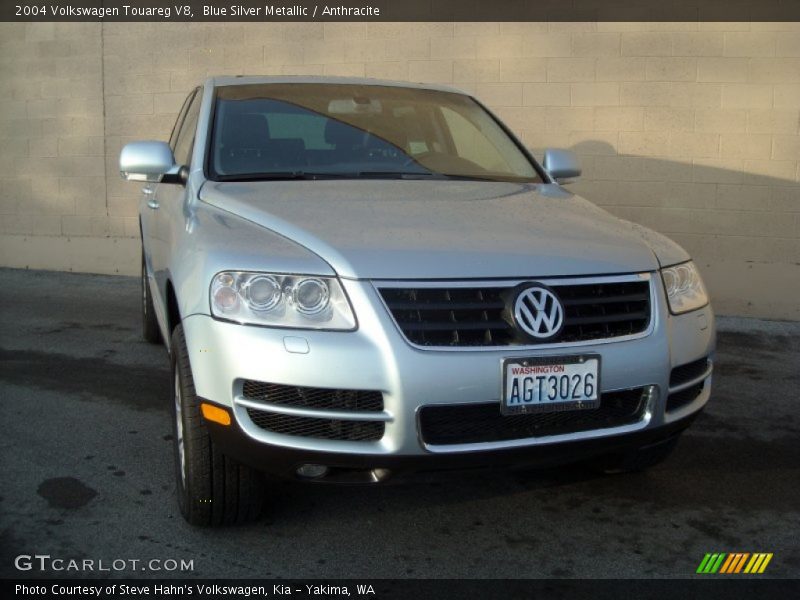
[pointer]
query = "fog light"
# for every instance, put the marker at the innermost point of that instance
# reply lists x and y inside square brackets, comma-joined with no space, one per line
[312,471]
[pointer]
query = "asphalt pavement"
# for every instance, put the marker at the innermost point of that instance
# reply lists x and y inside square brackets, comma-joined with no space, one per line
[86,472]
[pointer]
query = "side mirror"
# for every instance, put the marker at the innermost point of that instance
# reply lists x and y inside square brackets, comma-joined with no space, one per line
[152,162]
[561,164]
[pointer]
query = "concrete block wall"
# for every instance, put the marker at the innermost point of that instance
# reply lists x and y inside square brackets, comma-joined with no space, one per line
[692,128]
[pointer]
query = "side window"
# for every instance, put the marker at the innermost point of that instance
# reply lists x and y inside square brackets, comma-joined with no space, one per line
[184,142]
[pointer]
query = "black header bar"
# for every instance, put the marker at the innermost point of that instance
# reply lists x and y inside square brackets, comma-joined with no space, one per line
[400,10]
[712,586]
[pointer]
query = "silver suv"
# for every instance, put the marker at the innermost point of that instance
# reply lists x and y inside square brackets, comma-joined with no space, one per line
[357,279]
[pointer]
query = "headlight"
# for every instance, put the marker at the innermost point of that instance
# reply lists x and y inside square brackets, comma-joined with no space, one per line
[296,301]
[685,289]
[311,296]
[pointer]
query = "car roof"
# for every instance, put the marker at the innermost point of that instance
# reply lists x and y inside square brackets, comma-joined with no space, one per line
[222,81]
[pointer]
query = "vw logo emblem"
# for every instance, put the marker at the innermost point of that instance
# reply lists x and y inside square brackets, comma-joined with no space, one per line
[538,312]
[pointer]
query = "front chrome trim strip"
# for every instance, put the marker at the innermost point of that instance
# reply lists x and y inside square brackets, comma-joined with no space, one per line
[553,281]
[687,384]
[344,447]
[294,411]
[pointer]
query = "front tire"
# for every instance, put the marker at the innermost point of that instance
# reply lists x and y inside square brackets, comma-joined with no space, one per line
[212,488]
[150,331]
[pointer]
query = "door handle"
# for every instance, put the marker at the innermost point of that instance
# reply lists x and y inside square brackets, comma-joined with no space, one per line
[149,193]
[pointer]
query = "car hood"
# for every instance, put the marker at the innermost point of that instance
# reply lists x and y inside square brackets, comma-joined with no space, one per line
[411,229]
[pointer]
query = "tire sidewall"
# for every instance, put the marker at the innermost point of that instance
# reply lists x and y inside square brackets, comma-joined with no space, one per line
[194,495]
[150,328]
[181,489]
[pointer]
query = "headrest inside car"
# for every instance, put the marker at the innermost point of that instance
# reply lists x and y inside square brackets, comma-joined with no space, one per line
[341,134]
[246,130]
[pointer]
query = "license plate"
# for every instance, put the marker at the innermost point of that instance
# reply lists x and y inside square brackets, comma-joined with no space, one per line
[548,384]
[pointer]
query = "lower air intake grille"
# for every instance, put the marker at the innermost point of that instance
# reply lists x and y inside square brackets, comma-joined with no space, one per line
[476,423]
[317,398]
[272,394]
[688,372]
[325,429]
[680,399]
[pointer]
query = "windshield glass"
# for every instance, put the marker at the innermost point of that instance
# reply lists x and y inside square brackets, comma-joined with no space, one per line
[309,130]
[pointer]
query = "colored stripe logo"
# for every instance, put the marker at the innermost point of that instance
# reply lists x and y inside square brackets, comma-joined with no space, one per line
[734,562]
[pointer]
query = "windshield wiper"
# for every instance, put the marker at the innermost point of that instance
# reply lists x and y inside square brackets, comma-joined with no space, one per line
[398,175]
[314,175]
[429,175]
[283,176]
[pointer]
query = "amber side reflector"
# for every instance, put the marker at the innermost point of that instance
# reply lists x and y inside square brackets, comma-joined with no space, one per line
[216,414]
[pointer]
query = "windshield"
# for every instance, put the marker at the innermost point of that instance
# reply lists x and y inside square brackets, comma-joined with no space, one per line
[309,130]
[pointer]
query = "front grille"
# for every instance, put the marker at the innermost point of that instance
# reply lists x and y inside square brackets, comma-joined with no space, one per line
[479,316]
[688,372]
[476,423]
[680,399]
[325,429]
[315,398]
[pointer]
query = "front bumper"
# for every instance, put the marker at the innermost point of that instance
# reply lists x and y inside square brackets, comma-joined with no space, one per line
[284,462]
[377,357]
